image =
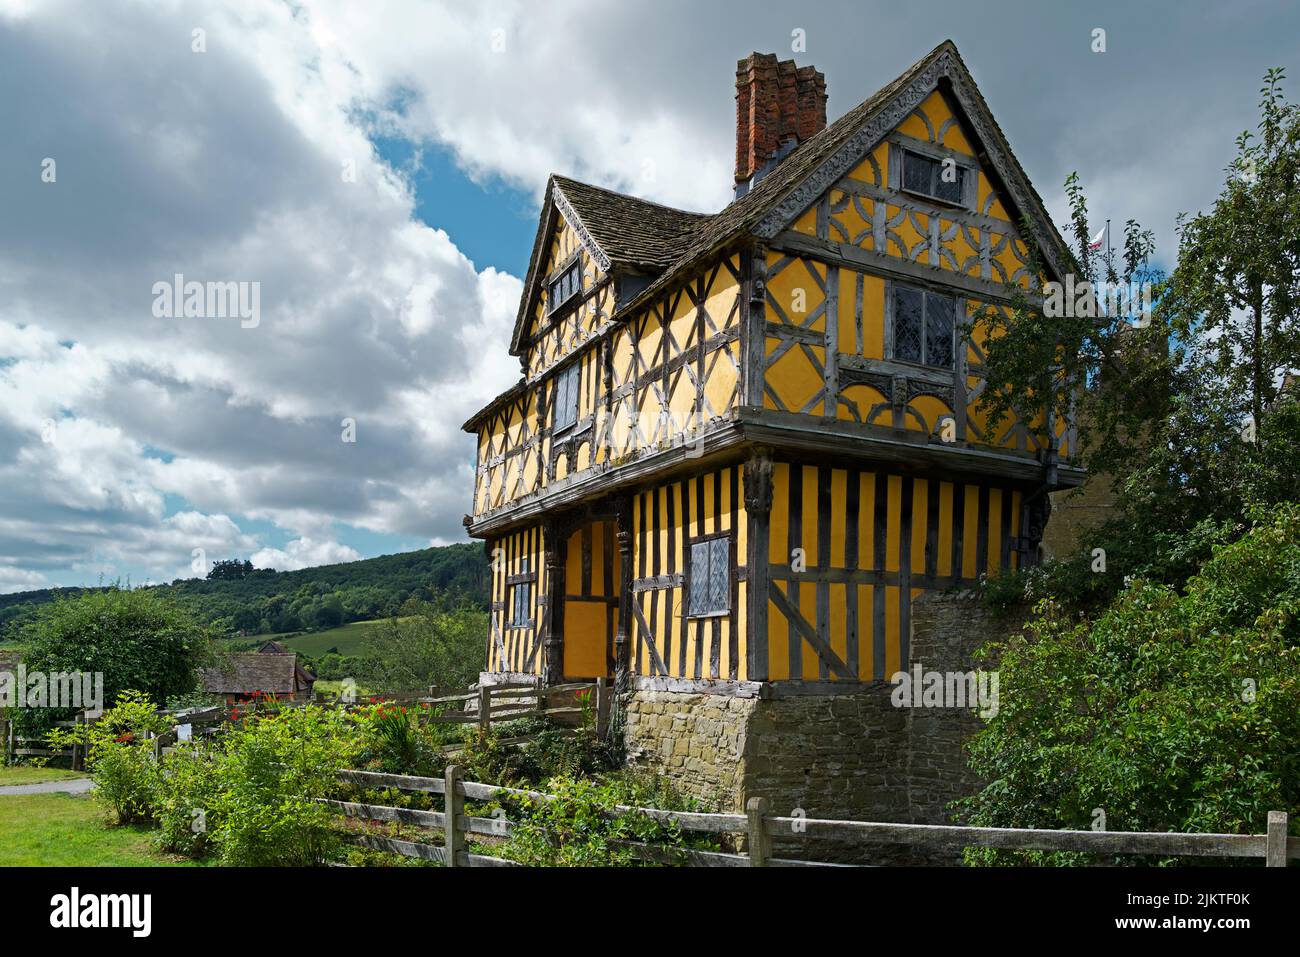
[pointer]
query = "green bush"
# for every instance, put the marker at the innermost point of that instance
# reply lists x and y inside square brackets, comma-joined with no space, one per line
[1168,712]
[268,775]
[119,756]
[582,826]
[187,785]
[137,638]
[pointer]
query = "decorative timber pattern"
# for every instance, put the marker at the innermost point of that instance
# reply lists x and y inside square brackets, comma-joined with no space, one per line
[656,381]
[666,522]
[719,466]
[828,315]
[848,550]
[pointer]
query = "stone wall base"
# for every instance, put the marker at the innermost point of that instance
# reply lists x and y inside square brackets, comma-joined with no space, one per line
[822,754]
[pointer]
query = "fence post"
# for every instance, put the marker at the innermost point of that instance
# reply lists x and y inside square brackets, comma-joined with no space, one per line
[7,744]
[454,804]
[484,707]
[760,842]
[1275,846]
[78,752]
[602,707]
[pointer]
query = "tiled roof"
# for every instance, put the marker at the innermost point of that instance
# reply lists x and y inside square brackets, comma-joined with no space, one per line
[633,233]
[245,674]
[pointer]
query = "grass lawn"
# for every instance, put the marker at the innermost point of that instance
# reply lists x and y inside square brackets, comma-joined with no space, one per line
[64,830]
[26,775]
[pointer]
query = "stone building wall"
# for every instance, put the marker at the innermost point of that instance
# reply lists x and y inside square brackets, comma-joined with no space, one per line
[696,741]
[851,755]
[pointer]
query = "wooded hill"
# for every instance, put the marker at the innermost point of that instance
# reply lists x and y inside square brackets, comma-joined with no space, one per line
[266,601]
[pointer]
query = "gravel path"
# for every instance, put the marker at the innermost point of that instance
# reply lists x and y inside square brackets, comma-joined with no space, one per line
[67,785]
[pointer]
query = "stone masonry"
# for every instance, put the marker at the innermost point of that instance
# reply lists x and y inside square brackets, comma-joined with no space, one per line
[851,756]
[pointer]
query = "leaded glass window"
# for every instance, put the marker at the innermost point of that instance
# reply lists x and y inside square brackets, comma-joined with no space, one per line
[924,324]
[932,177]
[521,596]
[564,287]
[710,592]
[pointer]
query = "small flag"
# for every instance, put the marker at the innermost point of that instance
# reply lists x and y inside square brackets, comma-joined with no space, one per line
[1096,240]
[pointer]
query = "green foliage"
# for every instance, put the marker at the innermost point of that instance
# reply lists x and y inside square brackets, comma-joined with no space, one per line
[231,569]
[428,644]
[1188,417]
[267,775]
[266,601]
[186,784]
[139,639]
[1168,711]
[582,826]
[119,755]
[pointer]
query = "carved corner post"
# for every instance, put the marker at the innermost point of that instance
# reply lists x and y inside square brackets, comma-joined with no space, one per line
[622,646]
[1036,511]
[758,509]
[753,307]
[555,545]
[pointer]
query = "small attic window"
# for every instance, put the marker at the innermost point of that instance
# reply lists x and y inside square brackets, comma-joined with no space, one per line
[564,286]
[940,179]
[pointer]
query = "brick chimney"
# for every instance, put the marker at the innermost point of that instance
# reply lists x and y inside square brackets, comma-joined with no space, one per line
[778,106]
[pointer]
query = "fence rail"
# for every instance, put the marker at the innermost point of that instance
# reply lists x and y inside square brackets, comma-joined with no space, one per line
[1275,846]
[482,706]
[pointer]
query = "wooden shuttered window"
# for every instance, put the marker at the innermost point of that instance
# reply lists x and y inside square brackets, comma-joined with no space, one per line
[567,385]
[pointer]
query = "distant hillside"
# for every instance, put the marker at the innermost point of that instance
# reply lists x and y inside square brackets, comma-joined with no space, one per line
[313,598]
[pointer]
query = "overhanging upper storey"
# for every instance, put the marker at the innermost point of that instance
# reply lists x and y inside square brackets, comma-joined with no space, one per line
[845,292]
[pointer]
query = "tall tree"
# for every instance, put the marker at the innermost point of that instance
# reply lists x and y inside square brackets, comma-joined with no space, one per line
[1181,407]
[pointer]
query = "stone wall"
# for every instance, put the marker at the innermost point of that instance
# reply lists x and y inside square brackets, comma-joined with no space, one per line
[697,741]
[851,755]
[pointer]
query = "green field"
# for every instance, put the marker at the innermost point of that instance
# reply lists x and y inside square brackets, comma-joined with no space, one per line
[64,830]
[28,775]
[348,639]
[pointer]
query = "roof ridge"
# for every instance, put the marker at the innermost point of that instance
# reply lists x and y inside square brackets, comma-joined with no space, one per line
[560,179]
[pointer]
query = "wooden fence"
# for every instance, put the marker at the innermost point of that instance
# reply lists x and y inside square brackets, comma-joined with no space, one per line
[507,702]
[481,706]
[486,704]
[1275,846]
[19,746]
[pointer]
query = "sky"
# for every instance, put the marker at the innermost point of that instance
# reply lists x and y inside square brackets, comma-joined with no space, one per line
[373,173]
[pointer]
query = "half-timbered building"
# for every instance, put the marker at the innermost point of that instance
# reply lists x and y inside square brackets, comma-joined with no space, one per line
[743,442]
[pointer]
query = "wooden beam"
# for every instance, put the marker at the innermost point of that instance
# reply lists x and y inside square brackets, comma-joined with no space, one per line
[809,634]
[648,637]
[758,509]
[454,840]
[892,267]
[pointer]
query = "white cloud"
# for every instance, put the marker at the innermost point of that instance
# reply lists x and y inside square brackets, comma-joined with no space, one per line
[228,170]
[227,165]
[303,553]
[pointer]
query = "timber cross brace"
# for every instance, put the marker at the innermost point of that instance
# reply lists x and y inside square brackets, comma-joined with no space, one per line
[745,442]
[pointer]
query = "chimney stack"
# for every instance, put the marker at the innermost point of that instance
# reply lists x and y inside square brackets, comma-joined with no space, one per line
[778,106]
